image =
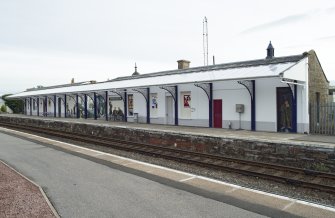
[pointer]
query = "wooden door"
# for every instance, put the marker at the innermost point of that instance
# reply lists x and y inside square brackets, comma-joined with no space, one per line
[217,113]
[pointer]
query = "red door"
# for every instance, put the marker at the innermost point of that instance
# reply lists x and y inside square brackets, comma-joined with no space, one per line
[217,106]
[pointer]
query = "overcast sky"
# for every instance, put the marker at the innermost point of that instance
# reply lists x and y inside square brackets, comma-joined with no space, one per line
[50,42]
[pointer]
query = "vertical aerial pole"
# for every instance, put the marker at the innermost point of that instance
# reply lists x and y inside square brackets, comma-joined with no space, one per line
[85,106]
[106,105]
[95,105]
[205,40]
[65,103]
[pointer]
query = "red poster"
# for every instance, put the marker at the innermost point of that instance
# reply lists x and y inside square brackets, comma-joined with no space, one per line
[187,99]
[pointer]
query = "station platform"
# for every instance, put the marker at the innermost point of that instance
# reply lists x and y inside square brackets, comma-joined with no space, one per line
[273,137]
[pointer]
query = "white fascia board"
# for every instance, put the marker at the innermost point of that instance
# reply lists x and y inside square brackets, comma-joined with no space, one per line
[298,71]
[262,71]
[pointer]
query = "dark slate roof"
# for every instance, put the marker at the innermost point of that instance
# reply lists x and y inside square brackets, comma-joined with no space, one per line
[243,64]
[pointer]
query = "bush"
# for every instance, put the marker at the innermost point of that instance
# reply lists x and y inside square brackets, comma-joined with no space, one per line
[3,108]
[15,105]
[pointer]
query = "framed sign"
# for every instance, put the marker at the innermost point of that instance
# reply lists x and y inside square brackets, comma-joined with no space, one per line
[187,100]
[185,106]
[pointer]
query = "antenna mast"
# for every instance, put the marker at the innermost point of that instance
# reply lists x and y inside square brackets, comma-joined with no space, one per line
[205,40]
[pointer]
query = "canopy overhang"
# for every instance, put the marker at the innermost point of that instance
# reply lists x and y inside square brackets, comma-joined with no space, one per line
[291,70]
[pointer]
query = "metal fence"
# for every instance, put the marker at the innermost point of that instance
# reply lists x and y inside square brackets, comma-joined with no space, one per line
[322,118]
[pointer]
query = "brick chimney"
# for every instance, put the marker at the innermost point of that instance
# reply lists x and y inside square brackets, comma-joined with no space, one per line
[183,64]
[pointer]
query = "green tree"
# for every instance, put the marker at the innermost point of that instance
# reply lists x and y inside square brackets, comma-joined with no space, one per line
[14,104]
[3,108]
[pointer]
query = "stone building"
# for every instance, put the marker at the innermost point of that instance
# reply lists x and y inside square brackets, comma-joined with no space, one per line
[318,84]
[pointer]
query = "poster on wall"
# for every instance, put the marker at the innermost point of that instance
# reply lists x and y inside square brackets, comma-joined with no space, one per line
[154,104]
[130,105]
[187,100]
[185,106]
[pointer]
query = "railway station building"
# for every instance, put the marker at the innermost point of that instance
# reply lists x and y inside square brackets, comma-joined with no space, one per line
[270,94]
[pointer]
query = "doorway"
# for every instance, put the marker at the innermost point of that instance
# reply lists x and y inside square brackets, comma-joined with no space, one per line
[217,113]
[284,109]
[169,110]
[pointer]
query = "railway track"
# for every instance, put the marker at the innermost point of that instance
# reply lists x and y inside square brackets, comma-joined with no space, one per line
[295,176]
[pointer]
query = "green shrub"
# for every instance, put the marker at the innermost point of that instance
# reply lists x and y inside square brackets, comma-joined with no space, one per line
[15,105]
[3,108]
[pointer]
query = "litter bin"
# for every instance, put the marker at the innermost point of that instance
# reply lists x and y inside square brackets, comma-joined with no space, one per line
[135,117]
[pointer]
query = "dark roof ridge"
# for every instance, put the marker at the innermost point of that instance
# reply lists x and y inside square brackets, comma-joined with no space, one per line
[240,64]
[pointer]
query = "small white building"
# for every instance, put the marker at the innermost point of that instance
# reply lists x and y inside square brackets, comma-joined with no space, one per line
[270,94]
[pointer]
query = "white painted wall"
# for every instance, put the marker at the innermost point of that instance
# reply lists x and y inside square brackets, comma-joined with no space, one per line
[199,101]
[266,103]
[139,106]
[160,102]
[302,109]
[298,71]
[231,94]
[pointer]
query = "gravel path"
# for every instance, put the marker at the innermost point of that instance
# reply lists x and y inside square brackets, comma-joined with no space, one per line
[19,197]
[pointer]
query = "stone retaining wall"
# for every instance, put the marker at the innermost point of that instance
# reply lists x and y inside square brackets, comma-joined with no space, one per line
[309,157]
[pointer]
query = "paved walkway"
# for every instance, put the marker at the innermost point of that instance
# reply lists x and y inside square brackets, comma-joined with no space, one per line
[303,139]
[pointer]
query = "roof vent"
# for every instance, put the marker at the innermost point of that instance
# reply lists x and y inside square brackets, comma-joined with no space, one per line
[136,73]
[183,64]
[270,51]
